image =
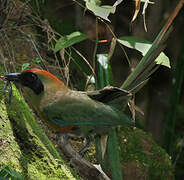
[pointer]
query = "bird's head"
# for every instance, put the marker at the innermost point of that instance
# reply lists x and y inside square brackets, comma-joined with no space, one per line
[36,80]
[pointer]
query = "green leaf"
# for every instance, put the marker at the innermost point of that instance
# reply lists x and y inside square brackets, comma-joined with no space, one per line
[103,60]
[101,11]
[37,60]
[25,66]
[143,46]
[104,76]
[69,40]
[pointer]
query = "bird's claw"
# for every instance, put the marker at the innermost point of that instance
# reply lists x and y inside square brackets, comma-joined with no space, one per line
[89,142]
[7,88]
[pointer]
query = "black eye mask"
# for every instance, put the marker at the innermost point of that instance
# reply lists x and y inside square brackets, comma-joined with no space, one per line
[27,79]
[32,81]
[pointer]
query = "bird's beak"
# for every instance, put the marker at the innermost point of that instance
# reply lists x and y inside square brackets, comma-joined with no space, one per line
[15,77]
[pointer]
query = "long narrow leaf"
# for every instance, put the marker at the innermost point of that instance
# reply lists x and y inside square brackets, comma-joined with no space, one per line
[152,53]
[104,78]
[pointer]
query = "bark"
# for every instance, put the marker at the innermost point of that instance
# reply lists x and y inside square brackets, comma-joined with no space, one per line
[86,169]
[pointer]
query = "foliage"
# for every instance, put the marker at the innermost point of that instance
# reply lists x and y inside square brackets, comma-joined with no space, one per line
[67,58]
[69,40]
[101,11]
[28,65]
[143,46]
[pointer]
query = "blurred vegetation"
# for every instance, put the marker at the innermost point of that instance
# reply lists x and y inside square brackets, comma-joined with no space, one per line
[38,26]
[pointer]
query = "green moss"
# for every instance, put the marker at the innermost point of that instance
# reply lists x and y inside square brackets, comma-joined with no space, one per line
[140,153]
[141,158]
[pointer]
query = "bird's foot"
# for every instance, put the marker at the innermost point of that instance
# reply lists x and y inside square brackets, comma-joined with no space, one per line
[89,142]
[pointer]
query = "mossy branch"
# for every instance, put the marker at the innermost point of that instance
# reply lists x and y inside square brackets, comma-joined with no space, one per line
[24,145]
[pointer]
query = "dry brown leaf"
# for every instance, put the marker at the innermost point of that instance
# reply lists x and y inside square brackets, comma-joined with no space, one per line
[134,108]
[112,47]
[103,143]
[143,13]
[137,8]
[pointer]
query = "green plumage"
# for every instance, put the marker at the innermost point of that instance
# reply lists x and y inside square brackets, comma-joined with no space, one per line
[78,109]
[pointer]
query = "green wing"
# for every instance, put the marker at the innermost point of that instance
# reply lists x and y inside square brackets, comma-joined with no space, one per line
[78,109]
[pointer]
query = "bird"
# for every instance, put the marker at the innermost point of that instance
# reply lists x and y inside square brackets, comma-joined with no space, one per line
[70,112]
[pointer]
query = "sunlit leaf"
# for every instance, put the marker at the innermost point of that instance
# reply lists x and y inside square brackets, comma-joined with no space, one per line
[101,11]
[104,76]
[103,60]
[135,43]
[143,46]
[117,2]
[69,40]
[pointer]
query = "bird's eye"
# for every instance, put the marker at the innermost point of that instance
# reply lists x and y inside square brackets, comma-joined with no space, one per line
[32,77]
[28,77]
